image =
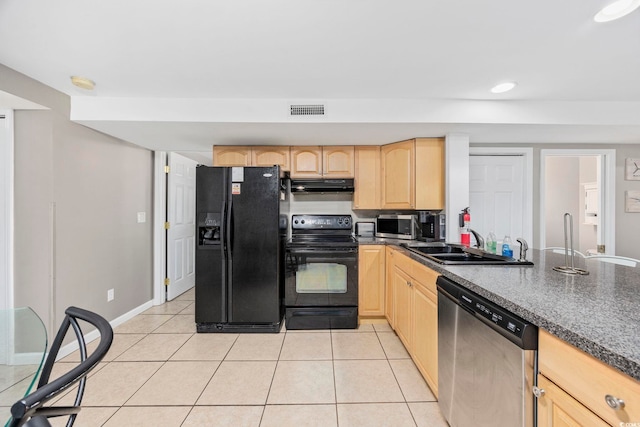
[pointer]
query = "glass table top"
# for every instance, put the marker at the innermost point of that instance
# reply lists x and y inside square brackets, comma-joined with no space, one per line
[23,345]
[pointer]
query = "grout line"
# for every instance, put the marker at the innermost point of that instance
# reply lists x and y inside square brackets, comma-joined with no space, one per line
[275,370]
[332,334]
[335,386]
[215,371]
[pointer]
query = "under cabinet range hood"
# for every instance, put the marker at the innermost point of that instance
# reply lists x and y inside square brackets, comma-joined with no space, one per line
[322,185]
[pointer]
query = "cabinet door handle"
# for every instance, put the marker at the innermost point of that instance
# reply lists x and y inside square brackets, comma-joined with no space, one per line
[614,402]
[538,392]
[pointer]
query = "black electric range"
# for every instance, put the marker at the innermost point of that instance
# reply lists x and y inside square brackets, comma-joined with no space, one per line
[321,281]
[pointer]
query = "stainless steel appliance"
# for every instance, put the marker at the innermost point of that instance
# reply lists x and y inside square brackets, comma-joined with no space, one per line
[433,226]
[397,226]
[241,232]
[486,360]
[321,285]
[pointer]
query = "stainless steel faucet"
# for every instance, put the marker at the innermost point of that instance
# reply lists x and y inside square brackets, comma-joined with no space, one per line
[479,239]
[523,249]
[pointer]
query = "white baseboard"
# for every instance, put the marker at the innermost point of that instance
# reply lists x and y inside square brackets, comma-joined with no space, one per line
[26,358]
[73,346]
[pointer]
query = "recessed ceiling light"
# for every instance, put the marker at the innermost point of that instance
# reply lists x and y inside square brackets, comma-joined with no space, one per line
[616,10]
[503,87]
[83,82]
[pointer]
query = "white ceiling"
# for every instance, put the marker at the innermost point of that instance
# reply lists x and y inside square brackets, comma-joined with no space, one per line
[185,75]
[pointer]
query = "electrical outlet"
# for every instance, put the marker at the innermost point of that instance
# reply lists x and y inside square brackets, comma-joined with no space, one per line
[142,217]
[110,295]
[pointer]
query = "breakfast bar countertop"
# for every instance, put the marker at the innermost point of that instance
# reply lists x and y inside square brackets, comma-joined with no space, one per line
[598,313]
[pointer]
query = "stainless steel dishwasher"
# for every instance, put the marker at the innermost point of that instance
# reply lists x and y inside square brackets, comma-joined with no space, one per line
[486,361]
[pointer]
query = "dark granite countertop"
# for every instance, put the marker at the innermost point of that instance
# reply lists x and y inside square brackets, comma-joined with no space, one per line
[598,313]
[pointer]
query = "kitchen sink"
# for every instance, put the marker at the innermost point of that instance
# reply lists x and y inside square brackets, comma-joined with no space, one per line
[434,248]
[452,254]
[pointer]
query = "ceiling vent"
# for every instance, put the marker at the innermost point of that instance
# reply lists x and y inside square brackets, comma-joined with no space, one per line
[307,110]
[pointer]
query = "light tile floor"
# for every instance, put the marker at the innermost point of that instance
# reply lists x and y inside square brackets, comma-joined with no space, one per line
[159,372]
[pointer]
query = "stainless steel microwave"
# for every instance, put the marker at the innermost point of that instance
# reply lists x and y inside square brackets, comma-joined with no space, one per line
[397,226]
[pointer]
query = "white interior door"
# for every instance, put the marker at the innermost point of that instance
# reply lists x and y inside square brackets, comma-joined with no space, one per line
[181,207]
[497,196]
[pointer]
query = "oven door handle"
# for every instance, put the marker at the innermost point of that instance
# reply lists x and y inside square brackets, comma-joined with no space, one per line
[312,251]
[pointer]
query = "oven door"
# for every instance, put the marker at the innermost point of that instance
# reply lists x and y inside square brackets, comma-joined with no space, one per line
[321,277]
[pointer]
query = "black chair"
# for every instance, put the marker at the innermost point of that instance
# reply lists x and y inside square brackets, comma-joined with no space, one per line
[30,410]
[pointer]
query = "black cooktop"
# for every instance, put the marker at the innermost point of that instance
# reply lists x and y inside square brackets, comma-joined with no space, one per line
[322,230]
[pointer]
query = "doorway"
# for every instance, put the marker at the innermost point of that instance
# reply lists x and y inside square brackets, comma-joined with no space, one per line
[165,207]
[582,183]
[6,210]
[501,192]
[181,208]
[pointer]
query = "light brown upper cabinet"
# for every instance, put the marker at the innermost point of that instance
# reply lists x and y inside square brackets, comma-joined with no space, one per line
[318,162]
[271,155]
[231,155]
[413,174]
[366,194]
[235,155]
[430,177]
[306,162]
[338,161]
[398,175]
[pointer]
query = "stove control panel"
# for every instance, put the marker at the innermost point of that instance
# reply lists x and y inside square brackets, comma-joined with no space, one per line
[321,222]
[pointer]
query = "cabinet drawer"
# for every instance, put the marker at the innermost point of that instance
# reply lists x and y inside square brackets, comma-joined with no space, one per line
[404,263]
[589,380]
[556,408]
[426,276]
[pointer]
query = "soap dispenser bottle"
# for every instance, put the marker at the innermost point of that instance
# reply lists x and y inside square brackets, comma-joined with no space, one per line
[506,247]
[491,243]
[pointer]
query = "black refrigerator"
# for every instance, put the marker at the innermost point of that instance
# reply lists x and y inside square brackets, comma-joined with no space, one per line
[242,225]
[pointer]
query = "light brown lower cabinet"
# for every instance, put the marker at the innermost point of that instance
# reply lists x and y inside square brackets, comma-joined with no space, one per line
[371,280]
[425,328]
[403,306]
[556,408]
[414,312]
[391,255]
[594,390]
[576,389]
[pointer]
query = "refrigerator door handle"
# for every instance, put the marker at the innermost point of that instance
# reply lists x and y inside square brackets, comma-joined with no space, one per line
[229,227]
[223,229]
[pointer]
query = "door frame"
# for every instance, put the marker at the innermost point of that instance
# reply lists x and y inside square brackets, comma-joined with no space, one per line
[527,154]
[7,183]
[606,191]
[159,233]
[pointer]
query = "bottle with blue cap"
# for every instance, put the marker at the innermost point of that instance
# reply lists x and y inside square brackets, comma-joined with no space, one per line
[506,247]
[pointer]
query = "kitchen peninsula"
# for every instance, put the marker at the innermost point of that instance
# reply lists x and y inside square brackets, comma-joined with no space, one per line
[596,314]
